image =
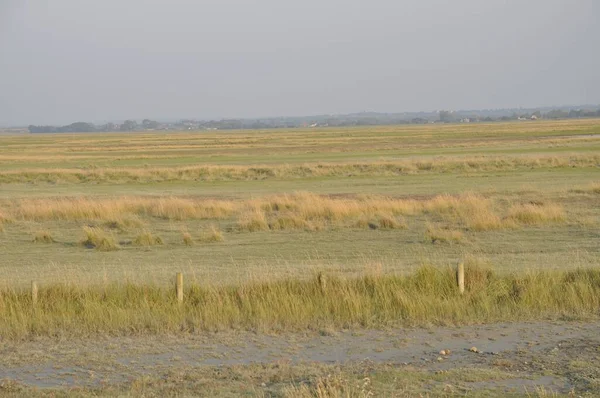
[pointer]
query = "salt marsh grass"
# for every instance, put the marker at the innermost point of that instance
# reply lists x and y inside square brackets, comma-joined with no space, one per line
[429,296]
[211,234]
[284,171]
[301,210]
[147,238]
[43,236]
[536,213]
[99,239]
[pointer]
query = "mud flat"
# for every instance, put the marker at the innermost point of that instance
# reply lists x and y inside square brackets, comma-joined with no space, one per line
[517,358]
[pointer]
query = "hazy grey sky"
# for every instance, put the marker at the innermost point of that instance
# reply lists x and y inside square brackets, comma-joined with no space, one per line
[89,60]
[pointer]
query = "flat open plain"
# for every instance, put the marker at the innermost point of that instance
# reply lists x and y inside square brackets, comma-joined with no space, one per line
[252,214]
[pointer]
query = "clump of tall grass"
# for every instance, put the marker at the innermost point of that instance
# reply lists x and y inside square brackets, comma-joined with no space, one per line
[252,221]
[124,223]
[43,236]
[390,222]
[474,211]
[147,238]
[3,217]
[436,234]
[187,239]
[212,234]
[536,213]
[593,188]
[291,222]
[381,222]
[99,239]
[3,220]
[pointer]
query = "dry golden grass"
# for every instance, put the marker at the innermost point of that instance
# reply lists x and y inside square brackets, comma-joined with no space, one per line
[114,209]
[124,223]
[297,211]
[381,222]
[187,239]
[146,238]
[99,239]
[43,236]
[474,211]
[391,222]
[429,296]
[285,171]
[212,234]
[252,221]
[3,220]
[291,222]
[594,187]
[436,234]
[536,213]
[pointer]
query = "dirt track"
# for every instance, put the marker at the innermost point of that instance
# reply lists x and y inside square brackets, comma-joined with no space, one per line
[538,351]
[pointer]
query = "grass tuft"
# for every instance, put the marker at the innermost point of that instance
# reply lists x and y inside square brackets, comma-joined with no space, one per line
[187,239]
[43,236]
[124,223]
[146,238]
[211,235]
[253,221]
[389,222]
[96,238]
[530,214]
[435,234]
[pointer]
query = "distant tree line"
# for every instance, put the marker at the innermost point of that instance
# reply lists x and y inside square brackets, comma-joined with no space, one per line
[453,117]
[356,119]
[83,127]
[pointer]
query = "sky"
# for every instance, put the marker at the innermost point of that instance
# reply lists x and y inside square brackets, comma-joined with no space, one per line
[84,60]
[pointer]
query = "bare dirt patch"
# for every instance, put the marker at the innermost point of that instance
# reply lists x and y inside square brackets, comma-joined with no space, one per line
[557,356]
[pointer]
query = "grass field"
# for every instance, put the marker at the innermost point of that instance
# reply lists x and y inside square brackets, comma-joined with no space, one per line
[227,207]
[104,221]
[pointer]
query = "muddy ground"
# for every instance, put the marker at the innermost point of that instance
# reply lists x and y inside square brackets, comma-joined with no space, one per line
[561,357]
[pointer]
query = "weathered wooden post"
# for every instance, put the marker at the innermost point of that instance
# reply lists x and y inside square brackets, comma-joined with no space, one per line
[179,287]
[460,277]
[34,292]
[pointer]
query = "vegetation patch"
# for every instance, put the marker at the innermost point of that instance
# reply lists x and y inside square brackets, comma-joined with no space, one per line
[132,175]
[530,214]
[390,222]
[43,236]
[97,238]
[188,240]
[429,296]
[212,234]
[253,221]
[124,223]
[147,238]
[435,234]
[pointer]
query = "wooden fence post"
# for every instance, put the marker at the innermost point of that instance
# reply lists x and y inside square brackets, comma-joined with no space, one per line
[34,292]
[179,287]
[460,277]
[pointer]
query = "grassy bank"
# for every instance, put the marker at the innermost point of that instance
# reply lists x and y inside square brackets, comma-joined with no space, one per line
[429,296]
